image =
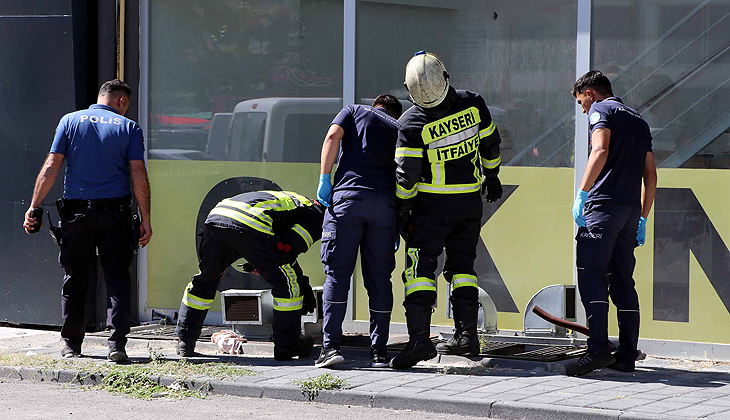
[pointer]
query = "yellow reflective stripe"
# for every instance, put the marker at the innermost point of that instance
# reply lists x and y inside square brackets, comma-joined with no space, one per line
[448,189]
[455,138]
[246,220]
[405,194]
[461,280]
[195,302]
[457,151]
[291,277]
[437,173]
[411,269]
[303,233]
[284,199]
[492,163]
[420,284]
[283,304]
[408,152]
[450,125]
[302,199]
[247,208]
[477,169]
[487,131]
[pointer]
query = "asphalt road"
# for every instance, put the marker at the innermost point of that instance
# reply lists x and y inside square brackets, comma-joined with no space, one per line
[23,400]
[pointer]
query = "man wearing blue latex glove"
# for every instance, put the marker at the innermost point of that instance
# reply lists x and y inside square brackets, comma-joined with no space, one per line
[324,190]
[578,205]
[361,215]
[613,202]
[641,233]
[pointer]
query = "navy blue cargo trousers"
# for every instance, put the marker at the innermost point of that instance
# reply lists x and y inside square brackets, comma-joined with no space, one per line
[605,262]
[364,220]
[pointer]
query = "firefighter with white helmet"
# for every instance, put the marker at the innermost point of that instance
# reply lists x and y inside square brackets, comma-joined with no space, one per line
[447,154]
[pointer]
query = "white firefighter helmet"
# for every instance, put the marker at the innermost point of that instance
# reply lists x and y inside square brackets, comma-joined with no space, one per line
[426,79]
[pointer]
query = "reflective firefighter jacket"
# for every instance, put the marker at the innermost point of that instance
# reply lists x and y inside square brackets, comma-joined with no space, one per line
[446,155]
[291,216]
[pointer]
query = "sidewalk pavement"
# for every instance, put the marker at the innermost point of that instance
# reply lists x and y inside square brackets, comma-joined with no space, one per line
[496,388]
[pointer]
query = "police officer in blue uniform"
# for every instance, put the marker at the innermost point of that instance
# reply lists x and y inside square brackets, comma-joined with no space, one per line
[361,215]
[268,229]
[610,209]
[102,149]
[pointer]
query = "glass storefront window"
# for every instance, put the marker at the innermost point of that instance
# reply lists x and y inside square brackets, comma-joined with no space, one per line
[216,67]
[519,56]
[669,60]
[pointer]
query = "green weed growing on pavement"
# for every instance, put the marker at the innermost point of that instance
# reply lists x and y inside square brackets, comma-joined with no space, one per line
[484,340]
[311,386]
[125,380]
[119,377]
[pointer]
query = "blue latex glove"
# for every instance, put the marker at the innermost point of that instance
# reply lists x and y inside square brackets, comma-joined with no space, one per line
[397,242]
[578,205]
[324,190]
[641,233]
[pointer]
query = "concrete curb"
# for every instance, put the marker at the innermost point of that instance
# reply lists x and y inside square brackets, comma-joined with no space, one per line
[487,407]
[510,410]
[351,353]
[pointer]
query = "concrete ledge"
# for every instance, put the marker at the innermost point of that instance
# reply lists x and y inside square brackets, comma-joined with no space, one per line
[237,389]
[510,410]
[486,407]
[462,407]
[356,398]
[646,416]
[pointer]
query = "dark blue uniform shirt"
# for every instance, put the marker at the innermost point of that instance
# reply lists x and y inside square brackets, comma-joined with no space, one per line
[367,156]
[98,144]
[621,178]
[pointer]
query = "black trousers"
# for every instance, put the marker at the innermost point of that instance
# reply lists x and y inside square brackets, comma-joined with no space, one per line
[605,262]
[220,248]
[451,222]
[85,231]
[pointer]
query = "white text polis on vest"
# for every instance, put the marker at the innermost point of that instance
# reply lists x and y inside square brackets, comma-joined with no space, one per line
[101,120]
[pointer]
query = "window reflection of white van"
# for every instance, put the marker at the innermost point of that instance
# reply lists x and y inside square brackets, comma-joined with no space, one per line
[287,129]
[277,130]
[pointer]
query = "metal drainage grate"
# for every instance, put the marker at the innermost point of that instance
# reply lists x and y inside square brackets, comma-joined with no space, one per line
[160,332]
[520,351]
[534,352]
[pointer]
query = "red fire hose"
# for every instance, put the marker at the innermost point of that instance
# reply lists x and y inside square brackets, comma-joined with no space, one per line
[560,321]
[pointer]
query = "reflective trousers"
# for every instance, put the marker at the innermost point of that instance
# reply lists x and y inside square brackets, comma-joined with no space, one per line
[450,222]
[364,221]
[219,248]
[605,262]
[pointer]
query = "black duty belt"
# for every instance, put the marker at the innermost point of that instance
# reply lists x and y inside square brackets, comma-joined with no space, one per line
[104,204]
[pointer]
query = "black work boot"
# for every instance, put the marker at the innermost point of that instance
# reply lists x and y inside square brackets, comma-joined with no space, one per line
[464,343]
[189,325]
[419,347]
[301,348]
[185,349]
[288,341]
[623,365]
[465,340]
[590,362]
[70,351]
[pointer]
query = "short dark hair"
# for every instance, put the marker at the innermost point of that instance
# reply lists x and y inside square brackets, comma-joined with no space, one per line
[595,80]
[390,103]
[114,88]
